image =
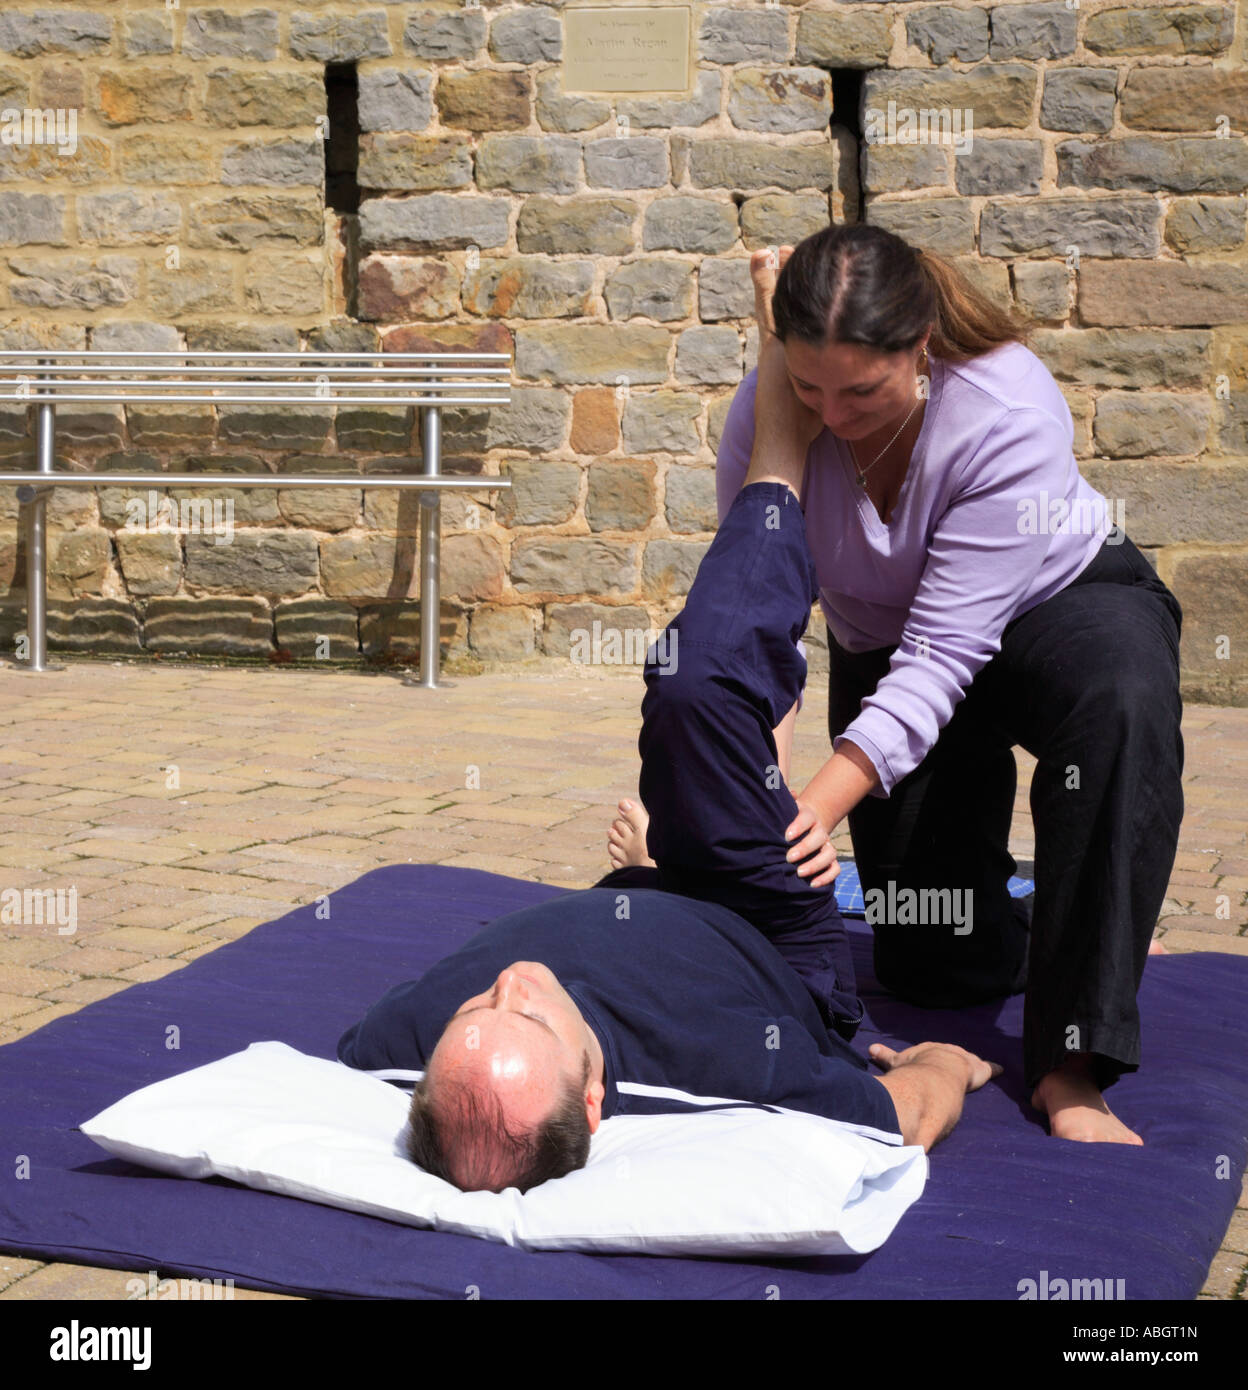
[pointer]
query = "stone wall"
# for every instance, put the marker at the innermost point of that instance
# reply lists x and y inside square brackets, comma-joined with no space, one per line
[603,242]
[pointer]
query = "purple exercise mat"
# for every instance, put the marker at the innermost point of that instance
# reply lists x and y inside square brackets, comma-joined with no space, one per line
[1004,1202]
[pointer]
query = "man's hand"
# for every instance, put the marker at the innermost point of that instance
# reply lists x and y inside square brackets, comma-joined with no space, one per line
[973,1070]
[812,846]
[928,1083]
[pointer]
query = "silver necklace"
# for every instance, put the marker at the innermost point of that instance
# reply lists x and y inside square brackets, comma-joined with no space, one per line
[862,472]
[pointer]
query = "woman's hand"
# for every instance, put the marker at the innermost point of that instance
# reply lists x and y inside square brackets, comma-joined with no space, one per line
[811,845]
[780,419]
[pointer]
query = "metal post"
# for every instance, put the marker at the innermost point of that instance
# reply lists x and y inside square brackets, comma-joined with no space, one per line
[36,542]
[430,548]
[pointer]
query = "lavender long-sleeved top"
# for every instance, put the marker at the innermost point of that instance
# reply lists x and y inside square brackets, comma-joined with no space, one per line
[977,536]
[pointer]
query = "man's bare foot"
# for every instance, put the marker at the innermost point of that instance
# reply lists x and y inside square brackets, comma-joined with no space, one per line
[1076,1109]
[626,840]
[1157,949]
[784,428]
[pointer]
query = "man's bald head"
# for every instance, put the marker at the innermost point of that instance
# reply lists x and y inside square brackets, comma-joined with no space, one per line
[509,1098]
[461,1129]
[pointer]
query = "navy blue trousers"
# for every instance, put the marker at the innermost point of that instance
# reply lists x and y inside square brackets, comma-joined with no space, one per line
[719,679]
[1088,683]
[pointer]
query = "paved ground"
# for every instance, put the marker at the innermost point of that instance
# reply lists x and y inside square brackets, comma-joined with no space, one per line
[291,783]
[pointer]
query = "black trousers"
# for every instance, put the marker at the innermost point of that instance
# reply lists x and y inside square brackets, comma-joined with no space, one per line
[1088,683]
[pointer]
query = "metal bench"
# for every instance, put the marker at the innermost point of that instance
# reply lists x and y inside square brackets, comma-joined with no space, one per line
[46,377]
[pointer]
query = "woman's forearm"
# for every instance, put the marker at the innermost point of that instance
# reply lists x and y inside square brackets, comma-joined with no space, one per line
[783,734]
[840,784]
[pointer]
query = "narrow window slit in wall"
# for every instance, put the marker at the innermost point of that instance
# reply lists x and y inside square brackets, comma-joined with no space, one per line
[342,188]
[846,128]
[342,104]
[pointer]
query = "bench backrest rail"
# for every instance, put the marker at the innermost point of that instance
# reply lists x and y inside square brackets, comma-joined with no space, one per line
[44,378]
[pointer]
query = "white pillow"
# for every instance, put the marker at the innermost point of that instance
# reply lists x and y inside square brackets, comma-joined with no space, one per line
[721,1182]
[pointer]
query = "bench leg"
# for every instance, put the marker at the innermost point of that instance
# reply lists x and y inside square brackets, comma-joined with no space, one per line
[430,549]
[37,548]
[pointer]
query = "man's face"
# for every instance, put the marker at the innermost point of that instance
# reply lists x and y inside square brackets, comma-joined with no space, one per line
[522,1039]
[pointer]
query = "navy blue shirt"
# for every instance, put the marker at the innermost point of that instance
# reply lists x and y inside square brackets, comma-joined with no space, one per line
[681,994]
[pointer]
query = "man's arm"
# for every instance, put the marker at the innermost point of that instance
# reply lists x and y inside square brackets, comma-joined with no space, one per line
[928,1083]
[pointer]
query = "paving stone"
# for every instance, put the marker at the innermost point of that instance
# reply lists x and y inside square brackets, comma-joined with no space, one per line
[85,991]
[27,980]
[12,1268]
[149,970]
[1186,939]
[1225,1275]
[1236,1237]
[29,1023]
[90,961]
[29,950]
[64,1281]
[146,940]
[14,1005]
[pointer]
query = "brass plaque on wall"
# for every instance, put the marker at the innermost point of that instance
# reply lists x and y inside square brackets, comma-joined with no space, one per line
[626,48]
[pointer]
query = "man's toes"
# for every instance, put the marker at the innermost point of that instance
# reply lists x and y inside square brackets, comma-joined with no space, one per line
[762,271]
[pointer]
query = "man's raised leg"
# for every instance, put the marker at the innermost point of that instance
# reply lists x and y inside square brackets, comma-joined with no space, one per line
[719,679]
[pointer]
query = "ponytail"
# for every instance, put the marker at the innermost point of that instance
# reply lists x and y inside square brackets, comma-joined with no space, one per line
[967,322]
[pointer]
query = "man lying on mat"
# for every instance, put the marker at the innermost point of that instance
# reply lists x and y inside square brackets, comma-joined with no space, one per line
[718,976]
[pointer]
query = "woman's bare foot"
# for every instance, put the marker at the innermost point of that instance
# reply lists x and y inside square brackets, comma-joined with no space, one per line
[1157,949]
[626,840]
[1076,1109]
